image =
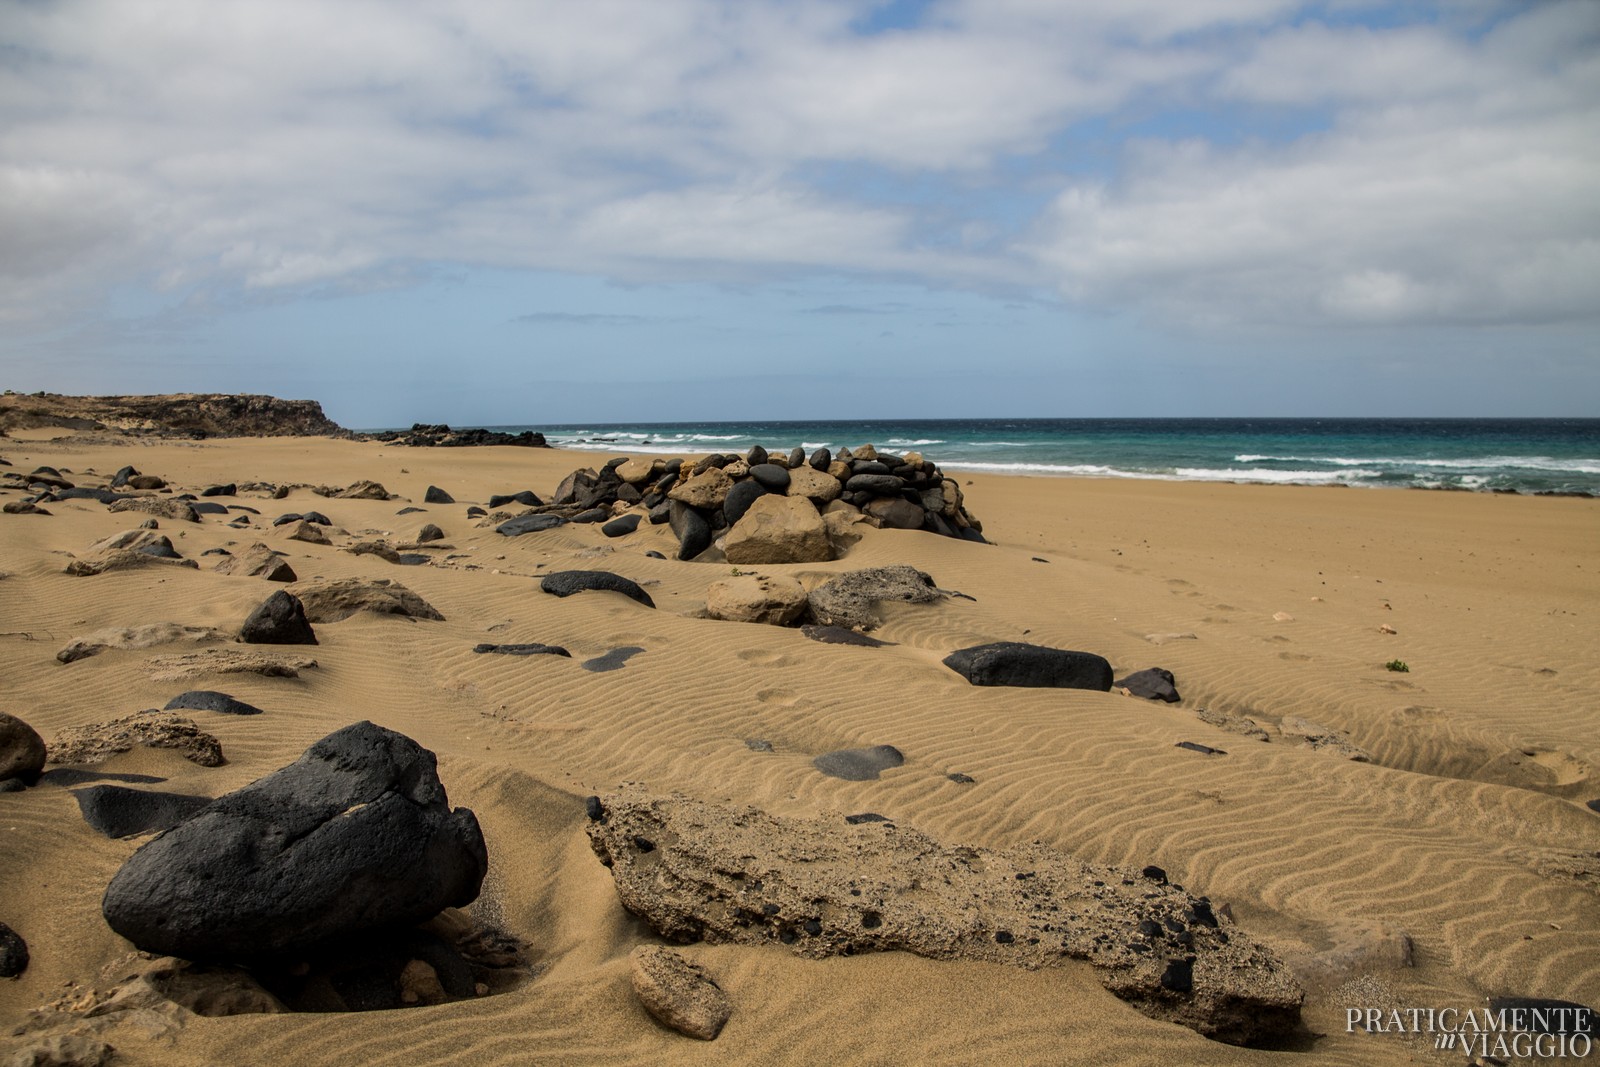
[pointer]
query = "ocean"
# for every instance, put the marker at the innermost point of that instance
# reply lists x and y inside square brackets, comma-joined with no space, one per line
[1486,455]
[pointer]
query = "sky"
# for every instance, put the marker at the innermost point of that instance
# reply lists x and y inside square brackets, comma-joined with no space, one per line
[538,212]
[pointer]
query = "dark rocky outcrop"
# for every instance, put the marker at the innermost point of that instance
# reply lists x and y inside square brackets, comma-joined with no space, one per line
[440,435]
[702,872]
[529,649]
[118,811]
[187,415]
[13,952]
[356,835]
[1018,663]
[1154,683]
[22,750]
[210,700]
[530,523]
[621,526]
[838,635]
[435,495]
[566,583]
[278,620]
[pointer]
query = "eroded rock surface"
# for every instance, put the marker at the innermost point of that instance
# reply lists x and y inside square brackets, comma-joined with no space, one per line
[98,742]
[703,872]
[851,600]
[336,599]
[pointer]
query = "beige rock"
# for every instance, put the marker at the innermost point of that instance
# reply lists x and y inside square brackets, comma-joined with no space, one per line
[814,485]
[188,666]
[896,513]
[639,471]
[98,742]
[121,559]
[69,1049]
[127,539]
[309,532]
[844,527]
[258,561]
[839,470]
[147,635]
[778,529]
[336,599]
[707,489]
[165,507]
[778,600]
[866,452]
[1282,616]
[419,984]
[363,490]
[678,993]
[737,469]
[1385,628]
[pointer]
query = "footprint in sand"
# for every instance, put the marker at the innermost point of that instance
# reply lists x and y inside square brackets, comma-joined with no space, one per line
[1294,657]
[783,698]
[763,658]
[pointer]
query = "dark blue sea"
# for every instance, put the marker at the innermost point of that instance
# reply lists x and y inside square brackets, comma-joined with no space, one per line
[1516,455]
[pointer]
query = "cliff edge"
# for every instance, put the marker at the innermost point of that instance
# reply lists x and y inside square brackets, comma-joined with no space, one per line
[191,415]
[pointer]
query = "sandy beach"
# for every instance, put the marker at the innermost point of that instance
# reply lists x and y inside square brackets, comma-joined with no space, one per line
[1455,860]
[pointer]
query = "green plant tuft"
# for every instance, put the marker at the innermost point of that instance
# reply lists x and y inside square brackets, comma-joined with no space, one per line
[1397,665]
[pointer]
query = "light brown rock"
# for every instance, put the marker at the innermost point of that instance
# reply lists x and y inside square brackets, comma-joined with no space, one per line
[778,600]
[68,1049]
[678,993]
[147,635]
[844,528]
[336,599]
[258,561]
[839,471]
[120,559]
[191,665]
[98,742]
[814,485]
[639,471]
[778,529]
[707,489]
[164,507]
[365,489]
[309,532]
[896,513]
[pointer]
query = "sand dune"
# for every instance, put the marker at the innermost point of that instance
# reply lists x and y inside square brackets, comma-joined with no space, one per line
[1465,829]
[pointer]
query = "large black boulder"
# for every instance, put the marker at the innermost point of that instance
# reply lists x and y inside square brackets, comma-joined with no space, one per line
[773,478]
[279,620]
[565,583]
[356,835]
[1021,664]
[741,496]
[692,528]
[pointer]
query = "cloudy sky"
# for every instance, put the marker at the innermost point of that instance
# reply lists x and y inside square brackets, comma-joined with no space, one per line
[538,212]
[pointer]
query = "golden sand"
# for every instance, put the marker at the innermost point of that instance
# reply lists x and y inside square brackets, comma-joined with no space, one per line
[1466,831]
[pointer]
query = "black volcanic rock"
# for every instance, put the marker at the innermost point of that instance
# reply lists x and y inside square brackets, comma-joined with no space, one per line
[356,835]
[1017,663]
[279,620]
[435,495]
[210,700]
[1155,683]
[529,524]
[118,811]
[566,583]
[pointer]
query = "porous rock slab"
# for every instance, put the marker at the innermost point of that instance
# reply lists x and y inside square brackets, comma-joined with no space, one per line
[336,599]
[1017,663]
[98,742]
[355,835]
[703,872]
[851,599]
[678,992]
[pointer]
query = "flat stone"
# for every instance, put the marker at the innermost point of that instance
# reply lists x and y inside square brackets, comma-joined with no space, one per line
[838,635]
[777,600]
[530,649]
[566,583]
[859,764]
[677,993]
[529,524]
[1314,735]
[1204,750]
[1017,663]
[705,490]
[210,700]
[148,635]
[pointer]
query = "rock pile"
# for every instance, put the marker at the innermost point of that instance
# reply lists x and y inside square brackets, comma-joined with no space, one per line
[765,507]
[424,435]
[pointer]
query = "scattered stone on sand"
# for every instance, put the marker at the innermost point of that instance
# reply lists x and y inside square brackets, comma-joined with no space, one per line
[859,764]
[778,601]
[355,835]
[98,742]
[1161,639]
[118,811]
[162,507]
[429,532]
[838,635]
[525,497]
[365,489]
[611,661]
[309,532]
[778,529]
[13,952]
[23,507]
[278,620]
[210,700]
[191,665]
[1204,750]
[566,583]
[701,872]
[1237,724]
[530,649]
[961,779]
[435,495]
[678,993]
[531,523]
[1322,738]
[1017,663]
[257,561]
[22,751]
[756,744]
[1282,616]
[382,549]
[336,599]
[158,550]
[147,635]
[1153,683]
[622,526]
[851,599]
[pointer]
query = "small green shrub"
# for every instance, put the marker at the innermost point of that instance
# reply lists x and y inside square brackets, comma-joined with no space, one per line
[1397,665]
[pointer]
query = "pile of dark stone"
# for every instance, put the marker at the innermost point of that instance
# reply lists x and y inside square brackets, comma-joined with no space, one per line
[440,435]
[703,499]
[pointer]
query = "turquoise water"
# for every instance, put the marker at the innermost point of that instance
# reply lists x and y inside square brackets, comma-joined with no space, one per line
[1507,455]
